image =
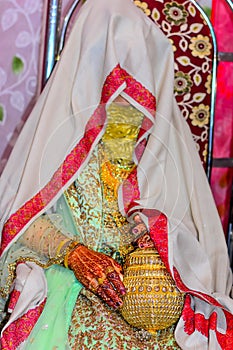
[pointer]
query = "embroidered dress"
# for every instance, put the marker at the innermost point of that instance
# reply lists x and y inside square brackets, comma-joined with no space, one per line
[96,227]
[90,313]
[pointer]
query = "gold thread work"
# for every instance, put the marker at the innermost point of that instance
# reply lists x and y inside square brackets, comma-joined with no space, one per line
[152,301]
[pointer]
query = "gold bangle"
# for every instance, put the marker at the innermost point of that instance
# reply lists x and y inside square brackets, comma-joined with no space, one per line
[68,250]
[61,244]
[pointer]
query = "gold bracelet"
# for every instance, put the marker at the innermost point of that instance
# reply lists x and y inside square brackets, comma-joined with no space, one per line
[60,246]
[68,250]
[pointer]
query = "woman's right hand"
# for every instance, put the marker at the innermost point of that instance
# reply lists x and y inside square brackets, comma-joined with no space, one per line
[98,273]
[140,230]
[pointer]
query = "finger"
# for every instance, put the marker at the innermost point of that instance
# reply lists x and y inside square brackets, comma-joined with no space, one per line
[89,281]
[111,266]
[100,293]
[139,229]
[137,219]
[111,293]
[114,267]
[115,280]
[107,290]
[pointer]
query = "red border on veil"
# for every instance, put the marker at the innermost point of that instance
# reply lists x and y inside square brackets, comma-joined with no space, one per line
[75,159]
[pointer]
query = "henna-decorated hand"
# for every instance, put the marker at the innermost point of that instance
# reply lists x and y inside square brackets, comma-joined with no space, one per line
[98,273]
[144,241]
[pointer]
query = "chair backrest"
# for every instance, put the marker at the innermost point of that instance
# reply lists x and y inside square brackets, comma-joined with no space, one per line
[191,34]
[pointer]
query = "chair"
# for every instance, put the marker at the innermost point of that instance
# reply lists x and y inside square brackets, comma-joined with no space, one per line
[191,34]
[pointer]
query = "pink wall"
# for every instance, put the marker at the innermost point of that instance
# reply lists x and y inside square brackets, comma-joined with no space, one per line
[20,24]
[222,18]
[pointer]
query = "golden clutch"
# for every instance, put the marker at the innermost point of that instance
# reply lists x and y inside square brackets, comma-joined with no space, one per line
[152,301]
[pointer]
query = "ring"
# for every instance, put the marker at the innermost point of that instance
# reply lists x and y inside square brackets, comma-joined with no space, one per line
[92,288]
[109,269]
[101,280]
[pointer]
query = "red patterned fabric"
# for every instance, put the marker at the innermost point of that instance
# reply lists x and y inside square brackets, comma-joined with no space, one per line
[133,88]
[19,330]
[15,294]
[190,36]
[159,233]
[202,296]
[197,322]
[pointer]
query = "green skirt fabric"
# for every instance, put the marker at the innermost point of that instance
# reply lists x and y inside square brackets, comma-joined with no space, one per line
[50,331]
[74,318]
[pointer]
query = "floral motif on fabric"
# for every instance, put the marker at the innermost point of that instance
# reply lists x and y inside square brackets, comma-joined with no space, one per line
[183,83]
[208,84]
[155,14]
[205,152]
[200,115]
[74,160]
[19,330]
[173,45]
[191,40]
[175,13]
[143,5]
[200,46]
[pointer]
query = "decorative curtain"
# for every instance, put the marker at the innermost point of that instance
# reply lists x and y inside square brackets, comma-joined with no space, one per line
[20,28]
[21,24]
